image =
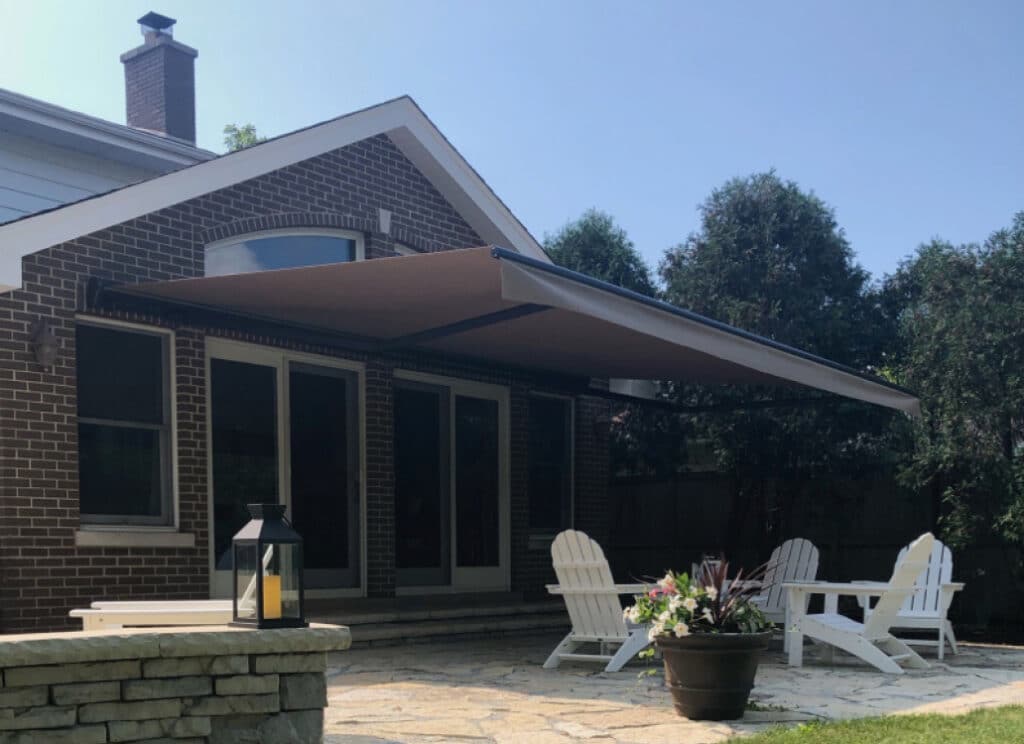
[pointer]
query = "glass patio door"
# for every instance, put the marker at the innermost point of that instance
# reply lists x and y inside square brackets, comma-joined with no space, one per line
[245,451]
[451,496]
[285,430]
[422,485]
[324,477]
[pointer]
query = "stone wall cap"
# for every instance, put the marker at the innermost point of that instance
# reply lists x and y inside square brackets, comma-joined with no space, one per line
[33,649]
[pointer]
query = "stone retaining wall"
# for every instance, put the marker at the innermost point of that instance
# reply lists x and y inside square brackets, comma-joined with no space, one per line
[207,685]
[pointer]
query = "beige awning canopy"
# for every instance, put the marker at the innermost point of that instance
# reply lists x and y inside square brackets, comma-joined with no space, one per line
[499,306]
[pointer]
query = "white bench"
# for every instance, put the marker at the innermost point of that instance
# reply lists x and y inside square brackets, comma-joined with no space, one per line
[112,615]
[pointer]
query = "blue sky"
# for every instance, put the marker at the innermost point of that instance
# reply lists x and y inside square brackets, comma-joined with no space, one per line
[906,117]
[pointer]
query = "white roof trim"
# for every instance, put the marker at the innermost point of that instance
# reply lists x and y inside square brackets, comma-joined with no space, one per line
[43,114]
[400,118]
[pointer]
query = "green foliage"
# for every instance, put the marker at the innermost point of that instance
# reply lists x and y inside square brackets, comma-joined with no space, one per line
[960,315]
[770,258]
[990,726]
[594,245]
[239,137]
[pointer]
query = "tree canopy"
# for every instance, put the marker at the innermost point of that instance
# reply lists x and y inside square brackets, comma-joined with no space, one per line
[959,311]
[239,137]
[596,246]
[770,258]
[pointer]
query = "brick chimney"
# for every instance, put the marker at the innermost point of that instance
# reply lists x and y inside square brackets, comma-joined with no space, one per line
[160,81]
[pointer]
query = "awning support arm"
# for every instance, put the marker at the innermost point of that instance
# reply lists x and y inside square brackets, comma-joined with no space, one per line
[667,405]
[461,326]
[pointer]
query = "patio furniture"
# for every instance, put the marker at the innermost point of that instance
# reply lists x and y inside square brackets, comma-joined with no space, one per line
[592,600]
[871,640]
[926,609]
[147,613]
[106,615]
[794,560]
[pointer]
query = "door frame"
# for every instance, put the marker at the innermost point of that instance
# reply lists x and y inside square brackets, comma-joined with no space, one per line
[278,358]
[473,579]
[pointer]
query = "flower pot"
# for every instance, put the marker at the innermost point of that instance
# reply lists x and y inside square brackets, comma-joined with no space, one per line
[711,674]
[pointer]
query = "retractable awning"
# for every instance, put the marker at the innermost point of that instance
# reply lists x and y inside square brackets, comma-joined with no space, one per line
[500,306]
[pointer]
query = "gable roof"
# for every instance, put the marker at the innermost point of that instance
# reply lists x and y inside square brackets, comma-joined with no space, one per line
[401,119]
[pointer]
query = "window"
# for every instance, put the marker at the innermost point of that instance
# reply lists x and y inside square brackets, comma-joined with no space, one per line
[550,464]
[124,437]
[282,249]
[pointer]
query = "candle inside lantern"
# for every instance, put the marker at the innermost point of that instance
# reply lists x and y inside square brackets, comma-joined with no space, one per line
[271,597]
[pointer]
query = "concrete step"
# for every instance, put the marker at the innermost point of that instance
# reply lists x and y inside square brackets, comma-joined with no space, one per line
[357,617]
[464,627]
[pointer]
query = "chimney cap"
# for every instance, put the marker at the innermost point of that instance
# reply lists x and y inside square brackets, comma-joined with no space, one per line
[161,24]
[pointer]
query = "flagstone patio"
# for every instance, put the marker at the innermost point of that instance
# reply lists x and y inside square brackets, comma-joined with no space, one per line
[496,691]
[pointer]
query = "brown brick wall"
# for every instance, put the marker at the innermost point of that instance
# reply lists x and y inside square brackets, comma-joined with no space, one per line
[523,573]
[160,89]
[42,573]
[380,481]
[591,462]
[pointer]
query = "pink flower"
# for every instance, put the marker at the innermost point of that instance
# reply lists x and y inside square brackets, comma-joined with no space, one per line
[668,584]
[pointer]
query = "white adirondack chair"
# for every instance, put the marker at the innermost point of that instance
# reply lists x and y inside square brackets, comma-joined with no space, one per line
[926,609]
[871,640]
[793,560]
[592,599]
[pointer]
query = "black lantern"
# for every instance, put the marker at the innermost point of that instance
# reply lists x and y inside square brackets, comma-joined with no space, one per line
[267,571]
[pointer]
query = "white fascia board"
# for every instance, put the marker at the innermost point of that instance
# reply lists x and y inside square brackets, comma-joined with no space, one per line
[32,234]
[46,116]
[428,149]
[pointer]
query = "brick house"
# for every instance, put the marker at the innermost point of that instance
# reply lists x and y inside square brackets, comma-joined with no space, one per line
[318,320]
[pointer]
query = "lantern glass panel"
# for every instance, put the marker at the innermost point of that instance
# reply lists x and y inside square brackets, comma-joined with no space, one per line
[281,583]
[245,578]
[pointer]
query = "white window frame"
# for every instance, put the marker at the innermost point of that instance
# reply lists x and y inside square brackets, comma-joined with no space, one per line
[539,538]
[130,533]
[279,358]
[326,232]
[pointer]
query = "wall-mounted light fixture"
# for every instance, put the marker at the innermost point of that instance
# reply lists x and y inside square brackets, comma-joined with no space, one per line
[45,344]
[384,221]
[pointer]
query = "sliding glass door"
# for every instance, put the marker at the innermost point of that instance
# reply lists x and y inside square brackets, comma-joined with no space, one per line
[451,478]
[422,485]
[284,428]
[324,472]
[244,444]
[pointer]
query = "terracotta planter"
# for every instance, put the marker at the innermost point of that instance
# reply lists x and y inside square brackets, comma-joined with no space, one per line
[711,674]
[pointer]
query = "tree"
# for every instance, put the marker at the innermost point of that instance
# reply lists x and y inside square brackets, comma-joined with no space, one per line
[239,137]
[960,315]
[771,259]
[596,246]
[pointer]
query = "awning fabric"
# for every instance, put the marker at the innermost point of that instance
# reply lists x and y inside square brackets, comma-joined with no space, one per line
[500,306]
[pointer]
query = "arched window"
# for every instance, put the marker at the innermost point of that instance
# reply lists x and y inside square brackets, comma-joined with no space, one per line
[282,249]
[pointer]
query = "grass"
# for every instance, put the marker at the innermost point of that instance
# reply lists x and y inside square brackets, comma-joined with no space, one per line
[990,726]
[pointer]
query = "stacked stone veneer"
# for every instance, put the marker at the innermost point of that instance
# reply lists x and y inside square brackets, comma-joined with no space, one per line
[185,686]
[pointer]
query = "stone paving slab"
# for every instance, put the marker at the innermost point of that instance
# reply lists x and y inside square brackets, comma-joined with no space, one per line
[495,691]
